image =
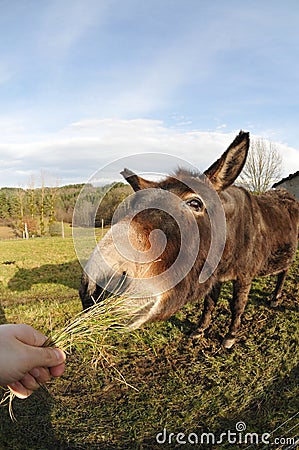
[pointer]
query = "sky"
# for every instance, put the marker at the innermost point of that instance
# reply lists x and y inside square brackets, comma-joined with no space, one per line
[85,82]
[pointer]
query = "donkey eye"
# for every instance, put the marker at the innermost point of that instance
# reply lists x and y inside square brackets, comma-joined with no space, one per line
[196,204]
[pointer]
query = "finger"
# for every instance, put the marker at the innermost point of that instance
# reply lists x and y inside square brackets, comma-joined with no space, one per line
[29,382]
[44,357]
[57,371]
[41,374]
[19,390]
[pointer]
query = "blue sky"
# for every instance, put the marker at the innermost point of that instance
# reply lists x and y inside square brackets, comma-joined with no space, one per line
[85,82]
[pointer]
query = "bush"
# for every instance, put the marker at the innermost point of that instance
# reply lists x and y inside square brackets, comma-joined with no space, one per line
[55,229]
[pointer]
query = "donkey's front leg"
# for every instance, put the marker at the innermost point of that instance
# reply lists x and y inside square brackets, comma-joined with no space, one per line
[241,290]
[209,305]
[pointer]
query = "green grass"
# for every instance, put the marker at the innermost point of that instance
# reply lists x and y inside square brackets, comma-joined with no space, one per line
[179,384]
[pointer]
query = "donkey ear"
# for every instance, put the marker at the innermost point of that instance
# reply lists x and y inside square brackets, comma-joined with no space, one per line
[228,167]
[137,182]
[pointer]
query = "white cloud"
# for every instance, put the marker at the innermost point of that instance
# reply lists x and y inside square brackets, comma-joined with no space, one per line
[73,154]
[290,157]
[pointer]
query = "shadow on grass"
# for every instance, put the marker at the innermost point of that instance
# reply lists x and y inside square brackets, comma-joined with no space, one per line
[33,429]
[275,411]
[2,316]
[67,274]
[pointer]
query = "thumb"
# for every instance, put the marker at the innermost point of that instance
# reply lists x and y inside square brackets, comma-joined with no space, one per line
[27,334]
[44,357]
[37,356]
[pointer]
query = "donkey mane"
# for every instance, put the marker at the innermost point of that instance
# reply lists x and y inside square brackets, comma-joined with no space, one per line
[186,173]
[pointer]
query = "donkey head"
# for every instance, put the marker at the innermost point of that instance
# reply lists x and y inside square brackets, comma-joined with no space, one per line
[158,251]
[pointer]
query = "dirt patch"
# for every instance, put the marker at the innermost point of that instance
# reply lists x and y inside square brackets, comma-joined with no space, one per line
[6,232]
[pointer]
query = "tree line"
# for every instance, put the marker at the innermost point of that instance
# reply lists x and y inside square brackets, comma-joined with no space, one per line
[40,211]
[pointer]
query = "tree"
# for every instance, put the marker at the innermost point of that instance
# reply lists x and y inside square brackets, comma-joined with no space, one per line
[4,206]
[263,166]
[111,200]
[31,192]
[52,202]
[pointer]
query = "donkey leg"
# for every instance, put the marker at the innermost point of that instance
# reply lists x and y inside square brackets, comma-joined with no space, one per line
[209,305]
[278,289]
[237,304]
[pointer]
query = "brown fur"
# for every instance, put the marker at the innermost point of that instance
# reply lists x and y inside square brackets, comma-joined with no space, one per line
[261,239]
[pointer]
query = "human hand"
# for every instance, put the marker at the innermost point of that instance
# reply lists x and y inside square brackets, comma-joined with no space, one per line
[24,364]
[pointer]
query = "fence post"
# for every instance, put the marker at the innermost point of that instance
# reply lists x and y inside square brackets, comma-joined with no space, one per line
[26,234]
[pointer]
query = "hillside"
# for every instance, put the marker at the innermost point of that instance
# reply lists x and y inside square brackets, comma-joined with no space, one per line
[40,208]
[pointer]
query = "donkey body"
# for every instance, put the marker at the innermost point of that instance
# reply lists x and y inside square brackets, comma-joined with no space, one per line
[261,239]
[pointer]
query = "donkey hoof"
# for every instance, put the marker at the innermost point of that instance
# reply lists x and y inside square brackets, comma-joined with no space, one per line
[197,334]
[228,342]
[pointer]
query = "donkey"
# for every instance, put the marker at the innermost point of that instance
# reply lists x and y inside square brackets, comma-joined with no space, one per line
[259,235]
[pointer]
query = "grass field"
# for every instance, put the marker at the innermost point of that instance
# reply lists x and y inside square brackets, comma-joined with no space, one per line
[178,384]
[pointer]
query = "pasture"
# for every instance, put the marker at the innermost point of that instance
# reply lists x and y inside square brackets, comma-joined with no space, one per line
[172,382]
